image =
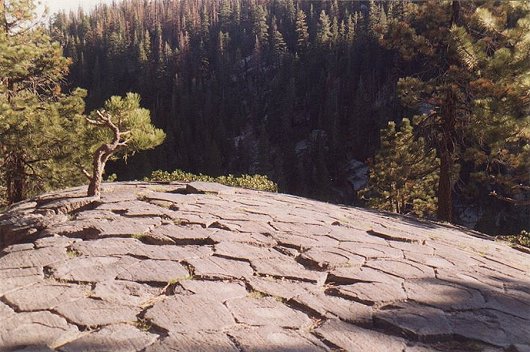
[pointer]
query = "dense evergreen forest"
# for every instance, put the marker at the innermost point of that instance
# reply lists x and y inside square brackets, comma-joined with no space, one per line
[294,91]
[433,96]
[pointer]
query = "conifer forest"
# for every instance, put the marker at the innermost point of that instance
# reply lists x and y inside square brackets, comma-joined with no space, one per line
[413,107]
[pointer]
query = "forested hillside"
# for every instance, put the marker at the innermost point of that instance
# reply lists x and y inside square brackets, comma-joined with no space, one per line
[299,90]
[293,91]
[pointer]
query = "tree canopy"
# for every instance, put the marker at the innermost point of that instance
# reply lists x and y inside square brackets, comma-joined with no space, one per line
[36,117]
[404,173]
[45,137]
[472,84]
[122,128]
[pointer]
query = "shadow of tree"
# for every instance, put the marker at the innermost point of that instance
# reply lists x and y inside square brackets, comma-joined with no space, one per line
[453,314]
[459,314]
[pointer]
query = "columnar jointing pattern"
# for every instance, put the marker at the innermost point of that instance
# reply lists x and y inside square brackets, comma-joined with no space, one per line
[203,267]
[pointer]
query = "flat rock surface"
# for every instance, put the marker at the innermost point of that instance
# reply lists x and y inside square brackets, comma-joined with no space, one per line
[204,267]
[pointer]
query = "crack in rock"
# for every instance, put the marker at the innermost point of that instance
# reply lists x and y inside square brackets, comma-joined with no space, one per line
[258,272]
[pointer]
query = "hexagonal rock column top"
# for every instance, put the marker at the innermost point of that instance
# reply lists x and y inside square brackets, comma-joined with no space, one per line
[205,267]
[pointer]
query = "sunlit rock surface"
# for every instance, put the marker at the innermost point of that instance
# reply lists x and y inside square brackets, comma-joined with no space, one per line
[204,267]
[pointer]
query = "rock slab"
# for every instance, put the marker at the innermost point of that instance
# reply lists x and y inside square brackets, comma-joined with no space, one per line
[204,267]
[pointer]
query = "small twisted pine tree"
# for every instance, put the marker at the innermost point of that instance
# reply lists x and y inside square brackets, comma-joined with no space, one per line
[403,174]
[123,128]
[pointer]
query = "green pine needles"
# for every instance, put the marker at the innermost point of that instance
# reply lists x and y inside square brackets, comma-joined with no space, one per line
[45,137]
[36,117]
[404,174]
[123,128]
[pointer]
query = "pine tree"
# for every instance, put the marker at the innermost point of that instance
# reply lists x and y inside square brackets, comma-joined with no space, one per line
[334,30]
[320,176]
[225,14]
[278,46]
[123,128]
[403,174]
[36,117]
[290,10]
[498,139]
[302,34]
[461,59]
[351,24]
[199,86]
[263,165]
[324,30]
[378,22]
[223,40]
[261,28]
[144,49]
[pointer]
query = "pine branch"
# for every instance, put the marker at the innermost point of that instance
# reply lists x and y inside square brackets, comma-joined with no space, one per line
[516,202]
[86,173]
[94,122]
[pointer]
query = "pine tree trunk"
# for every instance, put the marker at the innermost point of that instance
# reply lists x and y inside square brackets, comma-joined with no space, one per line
[446,149]
[16,178]
[102,154]
[98,166]
[445,201]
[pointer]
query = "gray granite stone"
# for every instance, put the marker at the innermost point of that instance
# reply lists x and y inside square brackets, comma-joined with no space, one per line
[331,306]
[91,312]
[401,268]
[126,293]
[149,270]
[40,329]
[285,289]
[185,314]
[45,296]
[443,295]
[118,338]
[258,311]
[217,267]
[352,338]
[275,339]
[287,269]
[372,293]
[35,258]
[491,327]
[91,269]
[196,341]
[171,267]
[218,290]
[184,234]
[418,322]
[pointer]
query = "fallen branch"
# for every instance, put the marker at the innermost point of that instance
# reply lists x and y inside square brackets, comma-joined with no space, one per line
[516,202]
